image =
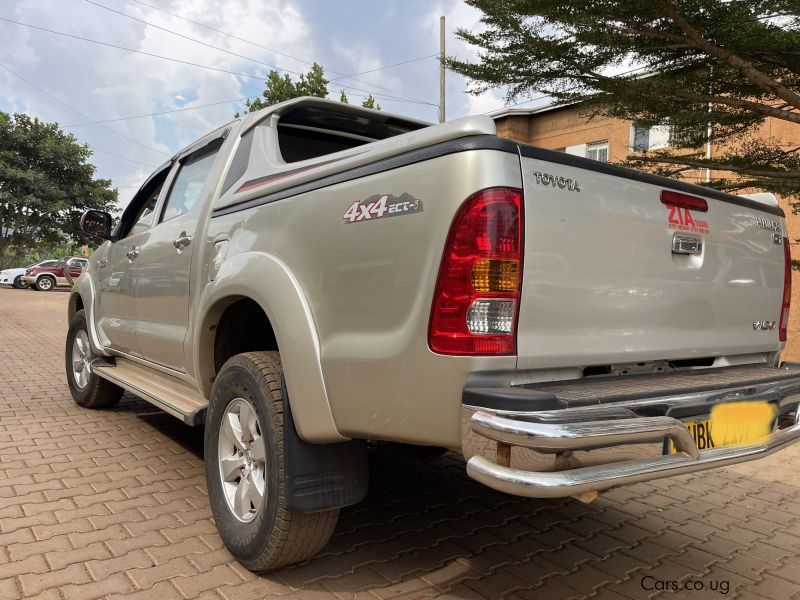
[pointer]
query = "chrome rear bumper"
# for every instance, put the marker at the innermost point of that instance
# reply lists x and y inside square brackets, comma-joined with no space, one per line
[604,428]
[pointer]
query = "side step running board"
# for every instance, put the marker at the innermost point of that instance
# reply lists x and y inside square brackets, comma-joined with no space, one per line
[159,389]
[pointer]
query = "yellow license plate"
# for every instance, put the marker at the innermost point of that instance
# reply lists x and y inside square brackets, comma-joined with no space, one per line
[732,424]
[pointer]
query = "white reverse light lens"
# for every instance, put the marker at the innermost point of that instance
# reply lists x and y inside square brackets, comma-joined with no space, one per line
[491,316]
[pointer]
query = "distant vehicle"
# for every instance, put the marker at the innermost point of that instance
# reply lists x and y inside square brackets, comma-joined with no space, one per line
[16,276]
[45,278]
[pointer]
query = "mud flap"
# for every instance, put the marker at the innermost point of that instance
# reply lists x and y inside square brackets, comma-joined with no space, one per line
[321,476]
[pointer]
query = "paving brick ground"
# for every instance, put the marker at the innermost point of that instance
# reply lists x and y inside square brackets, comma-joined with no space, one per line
[113,503]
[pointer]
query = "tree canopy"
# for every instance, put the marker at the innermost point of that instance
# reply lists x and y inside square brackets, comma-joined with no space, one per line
[46,183]
[279,88]
[682,63]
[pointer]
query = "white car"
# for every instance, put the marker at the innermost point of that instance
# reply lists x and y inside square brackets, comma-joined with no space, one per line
[15,276]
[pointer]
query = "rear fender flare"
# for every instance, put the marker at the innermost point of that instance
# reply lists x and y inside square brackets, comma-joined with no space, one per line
[268,281]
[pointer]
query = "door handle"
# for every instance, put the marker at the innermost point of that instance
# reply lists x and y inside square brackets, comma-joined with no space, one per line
[133,253]
[182,241]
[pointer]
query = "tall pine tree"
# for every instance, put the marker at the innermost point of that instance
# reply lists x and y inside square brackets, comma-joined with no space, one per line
[685,63]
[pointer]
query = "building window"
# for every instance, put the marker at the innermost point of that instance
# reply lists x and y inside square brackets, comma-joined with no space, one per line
[597,151]
[641,138]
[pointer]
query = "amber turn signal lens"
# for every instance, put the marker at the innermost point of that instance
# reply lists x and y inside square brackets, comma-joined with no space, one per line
[495,275]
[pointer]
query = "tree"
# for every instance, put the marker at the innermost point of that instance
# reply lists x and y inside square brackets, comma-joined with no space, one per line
[46,183]
[281,88]
[370,103]
[685,63]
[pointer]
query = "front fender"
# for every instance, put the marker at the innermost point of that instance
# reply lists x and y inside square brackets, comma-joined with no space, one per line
[266,280]
[84,290]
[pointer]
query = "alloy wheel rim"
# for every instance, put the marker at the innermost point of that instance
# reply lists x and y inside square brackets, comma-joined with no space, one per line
[45,284]
[81,357]
[242,460]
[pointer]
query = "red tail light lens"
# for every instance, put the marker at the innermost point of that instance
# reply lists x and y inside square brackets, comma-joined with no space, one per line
[476,302]
[683,200]
[787,290]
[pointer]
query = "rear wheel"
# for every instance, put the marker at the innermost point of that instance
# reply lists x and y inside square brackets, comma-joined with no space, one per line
[19,283]
[245,469]
[45,283]
[86,387]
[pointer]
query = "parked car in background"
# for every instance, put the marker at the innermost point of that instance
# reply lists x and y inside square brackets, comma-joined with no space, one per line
[45,278]
[16,276]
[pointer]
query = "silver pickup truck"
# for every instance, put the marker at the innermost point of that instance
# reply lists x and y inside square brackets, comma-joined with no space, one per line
[314,277]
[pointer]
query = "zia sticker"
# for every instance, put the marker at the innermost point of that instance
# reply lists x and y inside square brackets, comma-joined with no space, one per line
[682,220]
[381,206]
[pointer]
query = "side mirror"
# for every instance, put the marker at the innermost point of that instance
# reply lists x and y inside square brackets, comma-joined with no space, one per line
[97,223]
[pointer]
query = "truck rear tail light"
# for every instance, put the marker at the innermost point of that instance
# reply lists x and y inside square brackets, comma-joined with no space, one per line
[787,291]
[491,316]
[476,302]
[683,200]
[493,275]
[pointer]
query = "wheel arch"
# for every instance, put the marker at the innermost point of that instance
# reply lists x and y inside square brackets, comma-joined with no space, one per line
[261,280]
[74,305]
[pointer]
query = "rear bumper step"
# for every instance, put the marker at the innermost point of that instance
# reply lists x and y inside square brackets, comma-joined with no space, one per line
[562,432]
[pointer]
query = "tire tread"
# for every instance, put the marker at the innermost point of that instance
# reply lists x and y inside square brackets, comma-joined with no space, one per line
[295,536]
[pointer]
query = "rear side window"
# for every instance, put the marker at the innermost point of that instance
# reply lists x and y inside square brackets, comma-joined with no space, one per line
[312,131]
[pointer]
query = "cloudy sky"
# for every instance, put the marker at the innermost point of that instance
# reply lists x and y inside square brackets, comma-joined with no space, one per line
[74,82]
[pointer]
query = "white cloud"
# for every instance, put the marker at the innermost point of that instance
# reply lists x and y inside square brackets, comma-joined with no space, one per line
[107,83]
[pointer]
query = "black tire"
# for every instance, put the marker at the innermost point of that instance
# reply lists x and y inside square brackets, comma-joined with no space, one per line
[19,283]
[275,537]
[45,283]
[98,392]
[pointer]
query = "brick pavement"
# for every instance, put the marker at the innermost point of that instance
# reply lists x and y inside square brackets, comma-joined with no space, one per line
[112,503]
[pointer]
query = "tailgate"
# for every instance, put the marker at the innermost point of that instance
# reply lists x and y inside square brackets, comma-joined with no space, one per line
[602,284]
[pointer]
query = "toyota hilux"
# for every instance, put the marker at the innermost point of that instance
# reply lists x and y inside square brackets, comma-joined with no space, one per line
[314,277]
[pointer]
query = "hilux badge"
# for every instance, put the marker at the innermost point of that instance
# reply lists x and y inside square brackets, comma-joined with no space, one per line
[764,325]
[768,224]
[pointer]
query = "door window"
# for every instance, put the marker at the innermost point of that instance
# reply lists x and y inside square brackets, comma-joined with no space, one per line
[188,185]
[144,219]
[140,213]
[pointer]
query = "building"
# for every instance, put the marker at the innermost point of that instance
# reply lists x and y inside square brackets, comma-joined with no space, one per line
[570,128]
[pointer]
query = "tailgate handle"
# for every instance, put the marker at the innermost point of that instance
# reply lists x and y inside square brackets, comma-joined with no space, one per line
[686,244]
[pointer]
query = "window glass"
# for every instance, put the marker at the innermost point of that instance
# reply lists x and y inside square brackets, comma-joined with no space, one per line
[598,151]
[186,189]
[144,219]
[641,138]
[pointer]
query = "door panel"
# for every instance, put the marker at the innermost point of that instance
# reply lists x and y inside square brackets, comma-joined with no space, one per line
[163,293]
[164,277]
[115,304]
[116,310]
